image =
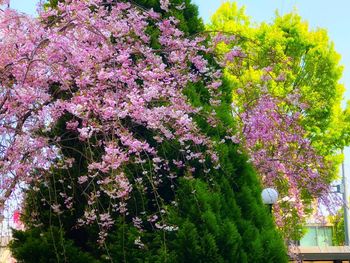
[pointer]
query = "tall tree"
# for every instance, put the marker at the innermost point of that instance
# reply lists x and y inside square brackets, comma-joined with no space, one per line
[288,98]
[123,103]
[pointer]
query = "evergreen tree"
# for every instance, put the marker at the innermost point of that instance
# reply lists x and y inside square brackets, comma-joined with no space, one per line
[218,216]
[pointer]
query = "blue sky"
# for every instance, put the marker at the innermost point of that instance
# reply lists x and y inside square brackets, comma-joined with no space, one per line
[26,6]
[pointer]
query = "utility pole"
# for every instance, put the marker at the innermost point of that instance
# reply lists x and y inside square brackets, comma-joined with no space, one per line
[346,204]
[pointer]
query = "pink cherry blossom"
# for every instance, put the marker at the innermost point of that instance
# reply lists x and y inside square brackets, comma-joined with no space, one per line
[98,68]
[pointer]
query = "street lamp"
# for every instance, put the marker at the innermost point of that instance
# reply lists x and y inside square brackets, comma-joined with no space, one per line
[269,197]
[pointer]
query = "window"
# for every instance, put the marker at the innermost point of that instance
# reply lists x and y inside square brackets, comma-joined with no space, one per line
[317,236]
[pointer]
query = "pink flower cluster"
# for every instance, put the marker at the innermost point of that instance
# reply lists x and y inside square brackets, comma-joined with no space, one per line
[113,80]
[283,156]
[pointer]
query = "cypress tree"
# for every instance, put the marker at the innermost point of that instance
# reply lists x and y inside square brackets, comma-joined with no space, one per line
[219,217]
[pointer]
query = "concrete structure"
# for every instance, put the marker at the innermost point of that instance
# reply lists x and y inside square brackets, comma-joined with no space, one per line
[336,254]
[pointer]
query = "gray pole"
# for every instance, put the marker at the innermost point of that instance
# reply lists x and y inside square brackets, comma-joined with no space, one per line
[346,205]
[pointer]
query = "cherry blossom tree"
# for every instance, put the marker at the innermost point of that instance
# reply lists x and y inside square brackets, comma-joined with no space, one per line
[293,138]
[113,123]
[84,66]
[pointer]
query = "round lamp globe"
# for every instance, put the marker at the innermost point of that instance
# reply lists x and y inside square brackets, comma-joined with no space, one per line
[269,196]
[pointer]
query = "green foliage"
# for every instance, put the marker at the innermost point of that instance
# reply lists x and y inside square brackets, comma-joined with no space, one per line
[309,62]
[36,246]
[190,21]
[338,234]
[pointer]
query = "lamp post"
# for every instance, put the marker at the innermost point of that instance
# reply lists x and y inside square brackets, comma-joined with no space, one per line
[269,197]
